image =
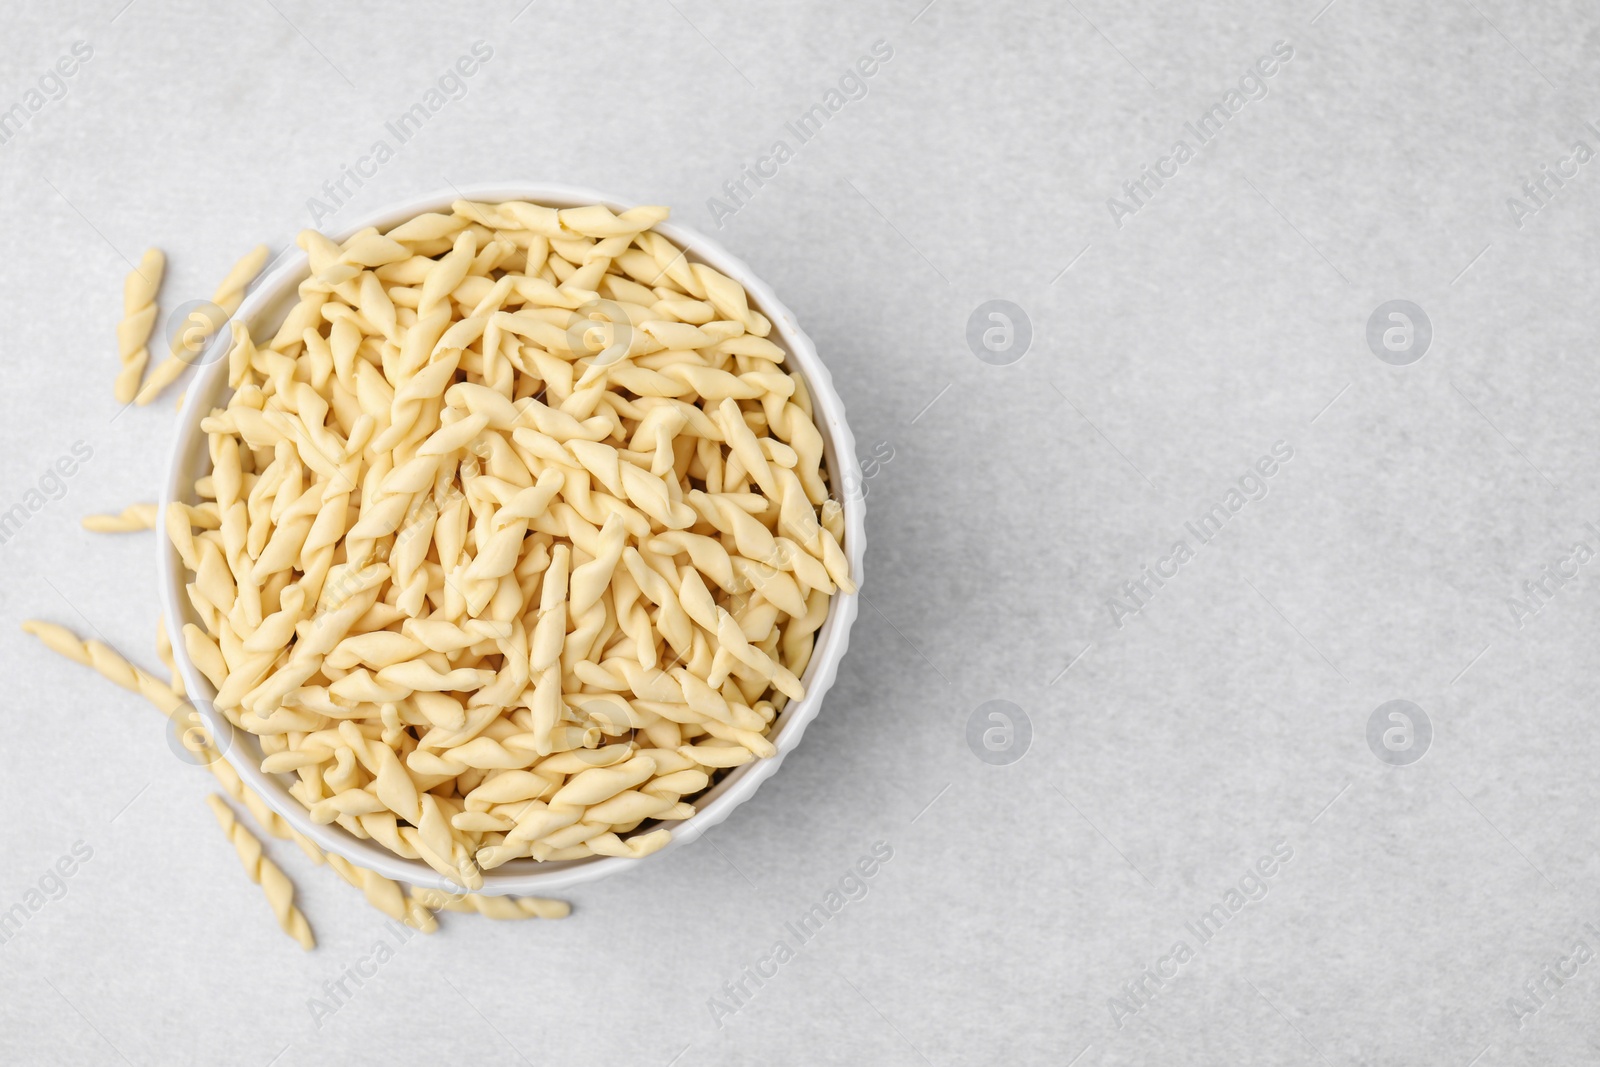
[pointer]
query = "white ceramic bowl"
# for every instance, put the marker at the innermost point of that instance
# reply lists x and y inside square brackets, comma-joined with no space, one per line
[264,309]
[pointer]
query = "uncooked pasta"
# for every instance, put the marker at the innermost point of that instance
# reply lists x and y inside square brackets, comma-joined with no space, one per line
[192,337]
[132,518]
[516,534]
[261,870]
[138,320]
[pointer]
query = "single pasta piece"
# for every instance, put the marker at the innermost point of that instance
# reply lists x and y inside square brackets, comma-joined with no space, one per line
[273,882]
[138,320]
[107,662]
[131,518]
[169,701]
[385,895]
[187,345]
[493,907]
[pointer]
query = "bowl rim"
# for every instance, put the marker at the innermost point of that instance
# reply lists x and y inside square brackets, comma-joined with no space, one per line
[520,877]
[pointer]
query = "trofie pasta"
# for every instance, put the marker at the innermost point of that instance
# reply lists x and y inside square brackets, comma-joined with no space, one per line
[105,660]
[133,517]
[187,344]
[494,907]
[516,534]
[138,319]
[383,894]
[277,887]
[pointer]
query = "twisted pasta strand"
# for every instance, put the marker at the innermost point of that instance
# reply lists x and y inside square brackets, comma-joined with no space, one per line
[261,870]
[138,320]
[132,518]
[492,907]
[107,662]
[228,296]
[169,701]
[385,895]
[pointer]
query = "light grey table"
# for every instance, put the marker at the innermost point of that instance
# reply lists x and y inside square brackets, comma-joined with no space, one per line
[1199,858]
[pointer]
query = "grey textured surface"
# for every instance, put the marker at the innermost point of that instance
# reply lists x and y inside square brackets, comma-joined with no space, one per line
[1226,718]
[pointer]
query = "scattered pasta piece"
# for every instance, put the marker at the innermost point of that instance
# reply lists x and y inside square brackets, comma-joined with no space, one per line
[494,907]
[189,342]
[138,320]
[107,662]
[273,882]
[132,518]
[385,895]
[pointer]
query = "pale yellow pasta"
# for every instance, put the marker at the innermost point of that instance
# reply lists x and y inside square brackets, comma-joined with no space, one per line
[493,907]
[132,518]
[138,320]
[261,870]
[107,662]
[385,895]
[187,344]
[517,533]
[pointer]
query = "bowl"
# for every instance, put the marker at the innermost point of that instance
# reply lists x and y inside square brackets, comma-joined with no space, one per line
[265,307]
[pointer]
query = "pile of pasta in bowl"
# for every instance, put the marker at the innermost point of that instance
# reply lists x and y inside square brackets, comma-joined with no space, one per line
[516,533]
[503,533]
